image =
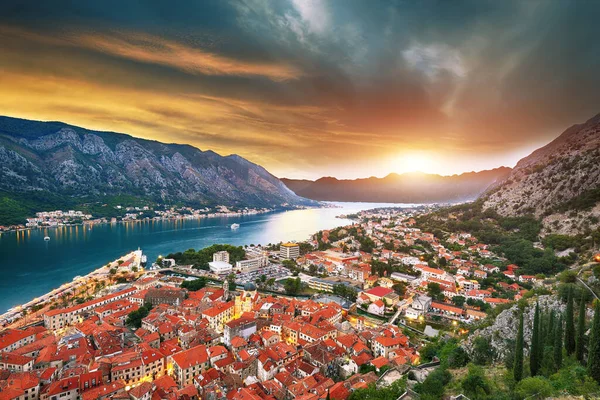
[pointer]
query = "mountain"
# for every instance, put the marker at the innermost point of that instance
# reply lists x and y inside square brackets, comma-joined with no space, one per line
[559,183]
[68,162]
[415,187]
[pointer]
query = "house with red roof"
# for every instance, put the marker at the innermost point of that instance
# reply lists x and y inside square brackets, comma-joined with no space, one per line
[386,346]
[189,363]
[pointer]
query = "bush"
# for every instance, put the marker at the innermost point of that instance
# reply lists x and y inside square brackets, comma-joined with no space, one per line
[475,384]
[536,386]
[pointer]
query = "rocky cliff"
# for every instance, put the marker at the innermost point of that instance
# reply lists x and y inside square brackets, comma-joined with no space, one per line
[503,332]
[74,162]
[559,182]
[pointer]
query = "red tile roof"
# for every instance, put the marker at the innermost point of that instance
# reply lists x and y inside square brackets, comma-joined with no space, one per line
[188,358]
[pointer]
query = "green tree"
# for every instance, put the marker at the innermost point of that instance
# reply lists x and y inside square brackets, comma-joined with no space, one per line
[457,358]
[200,259]
[433,386]
[194,285]
[550,329]
[372,392]
[134,318]
[594,347]
[535,350]
[558,344]
[569,325]
[475,384]
[458,300]
[292,286]
[580,342]
[434,290]
[518,367]
[231,281]
[483,352]
[534,387]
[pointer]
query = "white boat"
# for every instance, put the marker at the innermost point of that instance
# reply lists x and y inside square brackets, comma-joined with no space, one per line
[235,226]
[46,238]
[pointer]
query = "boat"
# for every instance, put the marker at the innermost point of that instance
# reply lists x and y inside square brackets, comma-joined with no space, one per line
[235,226]
[46,238]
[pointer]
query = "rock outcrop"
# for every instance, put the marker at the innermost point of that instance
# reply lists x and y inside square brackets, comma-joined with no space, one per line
[503,332]
[559,183]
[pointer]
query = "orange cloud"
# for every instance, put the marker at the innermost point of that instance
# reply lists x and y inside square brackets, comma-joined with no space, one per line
[156,50]
[152,49]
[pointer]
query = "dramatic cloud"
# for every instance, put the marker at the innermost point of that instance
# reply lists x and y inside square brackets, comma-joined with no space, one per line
[311,87]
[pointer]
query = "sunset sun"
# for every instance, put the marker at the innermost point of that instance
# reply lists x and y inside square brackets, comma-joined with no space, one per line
[414,162]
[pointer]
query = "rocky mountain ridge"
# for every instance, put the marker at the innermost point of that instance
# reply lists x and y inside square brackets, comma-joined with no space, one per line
[71,161]
[416,187]
[558,183]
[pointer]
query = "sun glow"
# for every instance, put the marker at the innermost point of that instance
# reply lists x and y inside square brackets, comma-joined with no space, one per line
[414,162]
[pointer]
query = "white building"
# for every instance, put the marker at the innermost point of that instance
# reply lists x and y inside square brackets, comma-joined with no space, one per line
[220,267]
[251,264]
[289,251]
[221,256]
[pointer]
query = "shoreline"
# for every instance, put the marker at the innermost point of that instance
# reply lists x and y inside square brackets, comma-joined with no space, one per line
[77,282]
[66,286]
[104,221]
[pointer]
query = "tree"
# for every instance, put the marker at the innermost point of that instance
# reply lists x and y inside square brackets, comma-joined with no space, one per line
[292,286]
[475,383]
[372,392]
[434,291]
[569,326]
[518,367]
[594,347]
[231,281]
[458,300]
[558,344]
[457,358]
[194,285]
[550,329]
[112,271]
[347,292]
[580,342]
[535,351]
[433,385]
[483,353]
[134,318]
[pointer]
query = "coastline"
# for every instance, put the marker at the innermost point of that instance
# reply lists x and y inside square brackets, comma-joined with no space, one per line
[78,281]
[105,221]
[61,288]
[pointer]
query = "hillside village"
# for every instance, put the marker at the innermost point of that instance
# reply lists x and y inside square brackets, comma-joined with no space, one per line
[366,301]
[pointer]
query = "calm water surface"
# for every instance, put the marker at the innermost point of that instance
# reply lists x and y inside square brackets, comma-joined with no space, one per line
[30,266]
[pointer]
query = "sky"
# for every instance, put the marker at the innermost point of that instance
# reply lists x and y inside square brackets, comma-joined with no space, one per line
[311,88]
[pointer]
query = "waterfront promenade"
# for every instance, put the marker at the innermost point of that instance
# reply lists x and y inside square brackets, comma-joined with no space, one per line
[32,311]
